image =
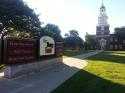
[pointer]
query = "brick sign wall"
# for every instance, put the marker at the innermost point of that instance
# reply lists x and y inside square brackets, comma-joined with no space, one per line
[59,48]
[19,51]
[0,51]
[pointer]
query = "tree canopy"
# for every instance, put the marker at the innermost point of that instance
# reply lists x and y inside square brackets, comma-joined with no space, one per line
[120,32]
[90,41]
[73,40]
[15,15]
[53,31]
[74,33]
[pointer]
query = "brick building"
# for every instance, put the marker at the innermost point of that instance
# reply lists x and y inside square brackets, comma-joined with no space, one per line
[105,40]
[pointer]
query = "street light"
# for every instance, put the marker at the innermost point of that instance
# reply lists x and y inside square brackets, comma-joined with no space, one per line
[1,30]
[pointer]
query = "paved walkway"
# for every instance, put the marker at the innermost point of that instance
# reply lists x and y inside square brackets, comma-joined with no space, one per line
[45,81]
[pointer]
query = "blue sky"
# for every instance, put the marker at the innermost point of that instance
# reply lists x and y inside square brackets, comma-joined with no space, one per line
[80,15]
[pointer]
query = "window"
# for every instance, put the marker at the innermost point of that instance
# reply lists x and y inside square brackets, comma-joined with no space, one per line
[111,39]
[116,39]
[120,46]
[123,41]
[111,46]
[102,28]
[102,32]
[116,47]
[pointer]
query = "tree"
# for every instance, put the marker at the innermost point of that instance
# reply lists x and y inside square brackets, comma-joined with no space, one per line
[120,32]
[53,31]
[15,15]
[90,41]
[74,33]
[66,35]
[73,41]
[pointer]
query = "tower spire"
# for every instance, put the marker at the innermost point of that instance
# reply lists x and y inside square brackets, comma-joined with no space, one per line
[102,2]
[102,29]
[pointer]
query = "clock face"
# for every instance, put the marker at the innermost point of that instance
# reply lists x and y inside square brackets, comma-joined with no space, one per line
[102,10]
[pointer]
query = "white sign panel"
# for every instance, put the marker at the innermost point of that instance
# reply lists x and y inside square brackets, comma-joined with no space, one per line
[47,46]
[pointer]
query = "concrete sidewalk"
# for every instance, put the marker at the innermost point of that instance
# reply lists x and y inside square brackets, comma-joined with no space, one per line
[45,81]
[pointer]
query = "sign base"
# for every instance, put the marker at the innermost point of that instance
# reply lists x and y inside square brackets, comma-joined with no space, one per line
[12,71]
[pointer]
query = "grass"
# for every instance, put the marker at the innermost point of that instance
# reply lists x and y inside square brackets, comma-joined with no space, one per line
[2,67]
[105,73]
[70,53]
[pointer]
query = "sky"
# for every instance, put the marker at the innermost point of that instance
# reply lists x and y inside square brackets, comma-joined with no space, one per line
[81,15]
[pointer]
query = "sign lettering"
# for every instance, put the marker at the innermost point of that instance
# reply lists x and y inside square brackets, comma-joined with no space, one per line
[19,51]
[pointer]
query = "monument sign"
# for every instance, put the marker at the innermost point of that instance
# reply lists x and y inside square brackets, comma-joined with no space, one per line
[19,51]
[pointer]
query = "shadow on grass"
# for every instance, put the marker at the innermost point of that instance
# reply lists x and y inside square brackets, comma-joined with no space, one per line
[85,82]
[108,56]
[81,82]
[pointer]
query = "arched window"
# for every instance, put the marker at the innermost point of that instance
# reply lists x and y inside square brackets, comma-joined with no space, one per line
[111,46]
[116,46]
[123,41]
[120,46]
[111,39]
[116,40]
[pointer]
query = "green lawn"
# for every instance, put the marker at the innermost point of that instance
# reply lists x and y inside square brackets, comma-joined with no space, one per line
[105,73]
[1,66]
[70,53]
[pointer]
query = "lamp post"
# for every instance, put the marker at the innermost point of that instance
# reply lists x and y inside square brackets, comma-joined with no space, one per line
[1,30]
[1,40]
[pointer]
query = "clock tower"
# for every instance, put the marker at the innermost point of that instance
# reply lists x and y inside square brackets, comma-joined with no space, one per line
[102,28]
